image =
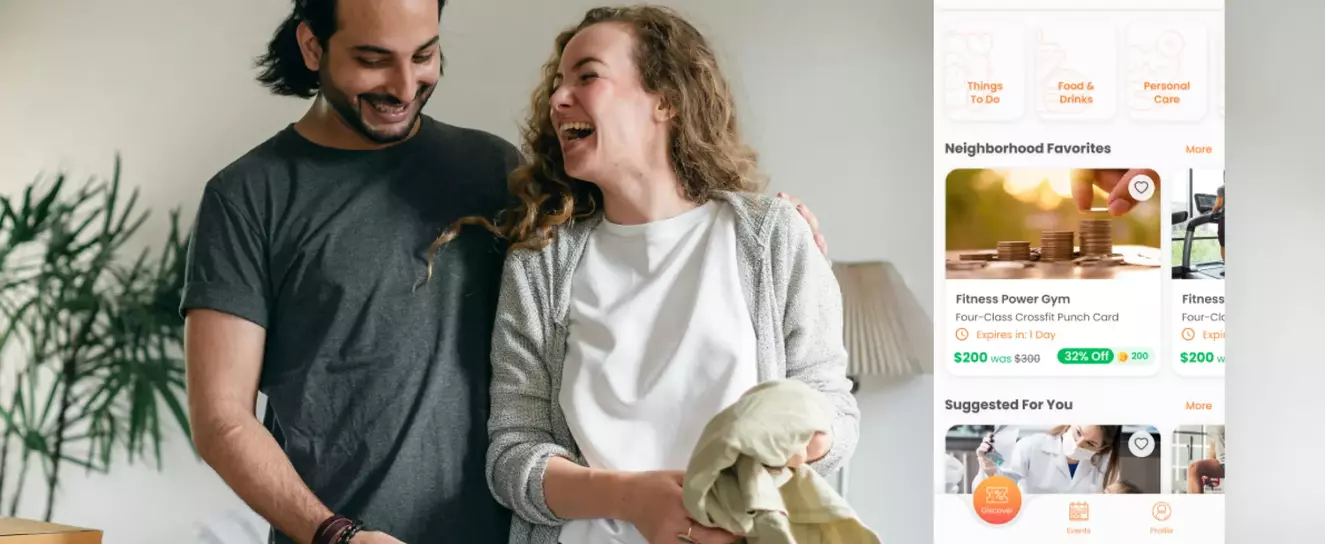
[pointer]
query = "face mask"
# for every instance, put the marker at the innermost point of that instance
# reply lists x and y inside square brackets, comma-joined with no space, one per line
[1070,448]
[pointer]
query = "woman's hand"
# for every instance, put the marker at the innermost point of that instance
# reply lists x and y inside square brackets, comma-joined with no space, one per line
[653,505]
[815,450]
[985,464]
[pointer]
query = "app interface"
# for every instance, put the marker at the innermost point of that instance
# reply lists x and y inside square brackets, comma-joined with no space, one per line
[1079,259]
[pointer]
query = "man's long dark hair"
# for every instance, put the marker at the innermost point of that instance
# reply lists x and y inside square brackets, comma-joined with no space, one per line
[283,69]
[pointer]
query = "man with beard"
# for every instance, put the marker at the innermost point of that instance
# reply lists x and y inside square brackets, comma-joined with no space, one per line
[305,281]
[308,279]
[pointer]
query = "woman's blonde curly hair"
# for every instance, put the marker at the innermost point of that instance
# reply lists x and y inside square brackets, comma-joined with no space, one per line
[676,62]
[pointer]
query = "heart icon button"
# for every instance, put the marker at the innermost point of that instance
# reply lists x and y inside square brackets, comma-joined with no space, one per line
[1141,444]
[1141,188]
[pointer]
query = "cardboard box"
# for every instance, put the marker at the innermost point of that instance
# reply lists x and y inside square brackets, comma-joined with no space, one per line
[24,531]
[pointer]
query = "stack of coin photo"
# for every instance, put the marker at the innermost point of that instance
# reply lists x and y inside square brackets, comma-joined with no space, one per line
[1057,245]
[1014,251]
[1096,237]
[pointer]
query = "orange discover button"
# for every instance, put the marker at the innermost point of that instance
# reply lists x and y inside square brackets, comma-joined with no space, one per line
[997,500]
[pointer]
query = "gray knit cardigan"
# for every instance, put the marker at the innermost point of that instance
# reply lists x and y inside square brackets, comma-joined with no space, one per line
[795,303]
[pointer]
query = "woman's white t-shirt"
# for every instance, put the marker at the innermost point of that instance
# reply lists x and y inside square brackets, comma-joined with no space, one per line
[660,341]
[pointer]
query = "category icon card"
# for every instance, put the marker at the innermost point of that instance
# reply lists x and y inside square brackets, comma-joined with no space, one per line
[984,76]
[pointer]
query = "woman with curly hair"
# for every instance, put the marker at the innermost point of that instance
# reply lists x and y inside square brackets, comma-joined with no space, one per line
[648,287]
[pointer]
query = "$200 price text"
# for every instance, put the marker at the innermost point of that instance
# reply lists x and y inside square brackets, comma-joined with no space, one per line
[1198,357]
[983,357]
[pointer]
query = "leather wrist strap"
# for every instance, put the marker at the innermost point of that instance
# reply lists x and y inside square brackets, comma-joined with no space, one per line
[329,531]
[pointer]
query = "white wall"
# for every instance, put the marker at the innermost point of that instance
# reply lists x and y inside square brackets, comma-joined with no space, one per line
[834,94]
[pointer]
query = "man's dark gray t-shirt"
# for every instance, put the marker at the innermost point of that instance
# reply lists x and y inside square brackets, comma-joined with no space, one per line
[377,379]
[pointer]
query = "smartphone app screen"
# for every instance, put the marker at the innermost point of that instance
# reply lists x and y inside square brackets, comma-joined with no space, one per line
[1079,260]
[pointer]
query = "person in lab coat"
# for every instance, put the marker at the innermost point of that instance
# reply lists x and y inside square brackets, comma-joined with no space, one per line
[1065,459]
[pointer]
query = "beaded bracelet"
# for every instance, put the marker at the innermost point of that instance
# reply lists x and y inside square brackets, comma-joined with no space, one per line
[348,535]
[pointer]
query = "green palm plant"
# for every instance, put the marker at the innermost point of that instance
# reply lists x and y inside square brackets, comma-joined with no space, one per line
[92,338]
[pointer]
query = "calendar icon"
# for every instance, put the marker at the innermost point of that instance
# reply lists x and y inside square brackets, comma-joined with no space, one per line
[1078,511]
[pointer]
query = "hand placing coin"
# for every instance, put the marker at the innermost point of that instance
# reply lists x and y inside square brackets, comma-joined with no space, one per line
[1118,183]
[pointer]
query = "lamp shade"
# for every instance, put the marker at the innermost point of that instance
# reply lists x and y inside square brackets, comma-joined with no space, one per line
[886,331]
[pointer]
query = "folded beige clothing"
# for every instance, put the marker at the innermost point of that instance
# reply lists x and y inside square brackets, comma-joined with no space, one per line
[734,480]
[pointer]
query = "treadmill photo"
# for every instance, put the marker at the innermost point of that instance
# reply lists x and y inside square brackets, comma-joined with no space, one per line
[1212,270]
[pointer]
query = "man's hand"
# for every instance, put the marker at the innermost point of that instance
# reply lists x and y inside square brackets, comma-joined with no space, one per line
[814,451]
[654,506]
[374,537]
[811,219]
[1115,183]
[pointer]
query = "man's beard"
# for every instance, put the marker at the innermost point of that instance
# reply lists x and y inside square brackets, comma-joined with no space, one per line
[347,110]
